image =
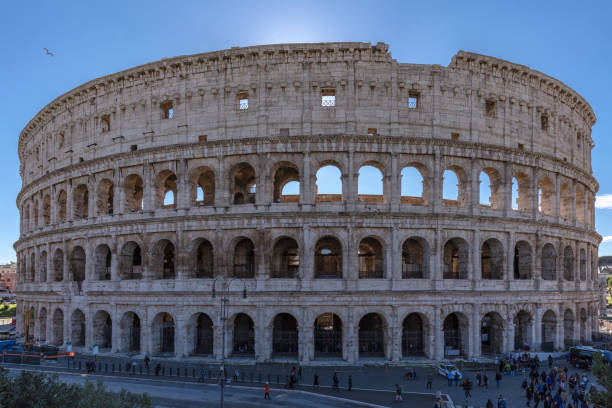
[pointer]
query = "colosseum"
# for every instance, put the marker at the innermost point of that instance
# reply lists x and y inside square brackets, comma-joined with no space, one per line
[239,170]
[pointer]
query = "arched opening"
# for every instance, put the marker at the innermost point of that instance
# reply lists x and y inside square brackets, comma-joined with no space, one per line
[106,195]
[549,330]
[523,327]
[77,328]
[549,262]
[580,205]
[244,184]
[546,196]
[328,258]
[285,336]
[414,259]
[77,264]
[103,330]
[454,192]
[521,198]
[285,258]
[455,259]
[456,336]
[166,189]
[163,260]
[522,260]
[285,174]
[370,255]
[567,199]
[328,185]
[58,327]
[203,335]
[163,330]
[204,259]
[62,198]
[43,267]
[130,262]
[568,263]
[492,259]
[412,186]
[244,335]
[583,325]
[203,181]
[81,202]
[582,265]
[133,190]
[58,265]
[490,183]
[46,209]
[42,325]
[413,336]
[102,267]
[568,328]
[491,334]
[244,259]
[328,336]
[370,187]
[371,336]
[130,333]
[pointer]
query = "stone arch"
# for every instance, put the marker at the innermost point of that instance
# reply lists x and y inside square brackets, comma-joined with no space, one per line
[456,335]
[285,258]
[203,186]
[370,255]
[201,330]
[62,199]
[244,183]
[42,269]
[106,196]
[202,259]
[568,263]
[492,334]
[243,335]
[46,209]
[413,188]
[333,191]
[244,259]
[103,330]
[102,263]
[163,330]
[133,192]
[328,258]
[522,260]
[492,259]
[77,264]
[58,265]
[130,261]
[521,195]
[166,189]
[414,334]
[57,333]
[42,325]
[568,328]
[163,260]
[285,335]
[372,329]
[415,258]
[549,330]
[495,188]
[583,273]
[523,329]
[567,199]
[77,328]
[454,175]
[549,262]
[546,196]
[80,202]
[371,177]
[285,173]
[456,257]
[328,336]
[130,329]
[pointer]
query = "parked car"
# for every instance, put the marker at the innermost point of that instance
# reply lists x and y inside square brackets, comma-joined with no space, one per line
[582,356]
[444,369]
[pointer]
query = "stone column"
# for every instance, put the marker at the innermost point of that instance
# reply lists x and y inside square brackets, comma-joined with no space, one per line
[350,341]
[89,327]
[348,178]
[475,342]
[437,335]
[179,336]
[537,328]
[396,339]
[306,192]
[475,259]
[560,337]
[149,188]
[115,254]
[306,343]
[116,329]
[92,209]
[435,198]
[49,263]
[474,188]
[395,266]
[510,259]
[69,202]
[118,191]
[66,271]
[509,333]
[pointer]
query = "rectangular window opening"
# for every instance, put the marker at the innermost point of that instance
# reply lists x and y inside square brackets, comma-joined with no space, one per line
[372,132]
[105,123]
[133,148]
[202,138]
[490,109]
[521,146]
[413,100]
[284,132]
[328,97]
[167,110]
[544,122]
[243,100]
[455,136]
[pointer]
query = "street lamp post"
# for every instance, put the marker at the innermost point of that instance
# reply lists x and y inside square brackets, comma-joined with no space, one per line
[224,296]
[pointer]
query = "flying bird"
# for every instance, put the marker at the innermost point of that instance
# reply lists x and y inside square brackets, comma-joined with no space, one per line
[47,52]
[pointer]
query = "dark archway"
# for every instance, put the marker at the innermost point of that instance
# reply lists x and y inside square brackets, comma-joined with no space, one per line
[328,336]
[371,336]
[492,259]
[328,258]
[549,330]
[414,259]
[103,330]
[285,336]
[102,266]
[77,328]
[244,259]
[203,258]
[522,260]
[203,335]
[456,335]
[492,334]
[130,332]
[413,335]
[523,326]
[244,335]
[285,258]
[371,259]
[131,261]
[456,254]
[163,330]
[549,262]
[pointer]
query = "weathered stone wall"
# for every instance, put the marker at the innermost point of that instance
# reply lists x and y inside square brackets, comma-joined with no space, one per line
[101,249]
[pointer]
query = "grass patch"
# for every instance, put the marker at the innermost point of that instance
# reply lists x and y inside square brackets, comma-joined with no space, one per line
[8,310]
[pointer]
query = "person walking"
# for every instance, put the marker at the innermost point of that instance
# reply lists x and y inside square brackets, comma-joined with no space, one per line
[478,378]
[529,395]
[336,382]
[147,360]
[456,379]
[300,373]
[236,375]
[486,381]
[315,382]
[450,378]
[266,391]
[550,361]
[536,399]
[429,381]
[157,369]
[398,393]
[501,402]
[489,404]
[498,378]
[350,382]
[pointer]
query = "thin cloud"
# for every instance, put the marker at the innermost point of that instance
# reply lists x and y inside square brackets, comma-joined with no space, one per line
[607,238]
[604,201]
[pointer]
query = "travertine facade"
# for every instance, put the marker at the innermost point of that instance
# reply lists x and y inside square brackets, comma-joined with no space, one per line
[141,187]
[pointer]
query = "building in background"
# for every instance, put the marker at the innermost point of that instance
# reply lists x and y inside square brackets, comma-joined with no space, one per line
[8,276]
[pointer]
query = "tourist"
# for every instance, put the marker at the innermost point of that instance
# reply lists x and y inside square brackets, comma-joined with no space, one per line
[429,381]
[157,369]
[486,381]
[478,378]
[501,402]
[350,382]
[398,393]
[498,378]
[315,382]
[336,382]
[449,375]
[147,360]
[266,391]
[550,361]
[456,379]
[489,404]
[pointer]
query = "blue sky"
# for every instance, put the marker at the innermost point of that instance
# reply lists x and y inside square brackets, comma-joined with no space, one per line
[570,41]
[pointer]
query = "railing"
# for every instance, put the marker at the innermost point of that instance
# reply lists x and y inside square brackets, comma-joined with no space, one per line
[371,274]
[448,273]
[291,272]
[412,271]
[204,273]
[243,271]
[134,273]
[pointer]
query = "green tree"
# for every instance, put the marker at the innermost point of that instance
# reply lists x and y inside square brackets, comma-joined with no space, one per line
[38,390]
[601,370]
